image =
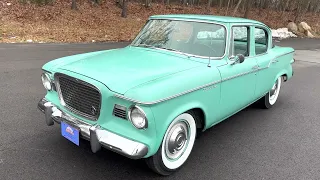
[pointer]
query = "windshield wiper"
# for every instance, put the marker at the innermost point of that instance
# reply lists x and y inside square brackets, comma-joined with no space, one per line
[175,50]
[144,45]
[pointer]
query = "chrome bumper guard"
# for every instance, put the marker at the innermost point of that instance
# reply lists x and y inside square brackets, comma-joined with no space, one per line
[97,136]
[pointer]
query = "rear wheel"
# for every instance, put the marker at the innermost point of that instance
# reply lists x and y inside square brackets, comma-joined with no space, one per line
[176,145]
[271,97]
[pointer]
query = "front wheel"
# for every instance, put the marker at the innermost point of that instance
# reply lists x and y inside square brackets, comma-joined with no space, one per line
[271,97]
[176,145]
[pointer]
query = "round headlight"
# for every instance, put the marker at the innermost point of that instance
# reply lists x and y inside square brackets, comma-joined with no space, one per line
[46,81]
[138,117]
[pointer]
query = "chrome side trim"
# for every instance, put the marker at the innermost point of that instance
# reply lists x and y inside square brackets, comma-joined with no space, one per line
[167,98]
[241,74]
[278,57]
[197,88]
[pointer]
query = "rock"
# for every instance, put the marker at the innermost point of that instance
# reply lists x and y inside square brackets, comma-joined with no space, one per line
[303,27]
[309,34]
[29,40]
[292,27]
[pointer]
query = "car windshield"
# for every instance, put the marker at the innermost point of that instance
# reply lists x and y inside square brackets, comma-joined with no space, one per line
[192,38]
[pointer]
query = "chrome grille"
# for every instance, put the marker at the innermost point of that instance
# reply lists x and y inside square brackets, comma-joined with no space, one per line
[79,96]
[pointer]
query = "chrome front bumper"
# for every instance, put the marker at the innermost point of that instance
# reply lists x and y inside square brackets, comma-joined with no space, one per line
[97,136]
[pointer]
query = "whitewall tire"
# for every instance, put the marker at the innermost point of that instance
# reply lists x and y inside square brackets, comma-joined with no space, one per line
[176,145]
[272,96]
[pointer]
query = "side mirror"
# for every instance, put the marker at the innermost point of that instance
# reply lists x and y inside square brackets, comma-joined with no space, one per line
[239,58]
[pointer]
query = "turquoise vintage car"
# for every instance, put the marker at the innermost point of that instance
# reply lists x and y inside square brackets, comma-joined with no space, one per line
[181,75]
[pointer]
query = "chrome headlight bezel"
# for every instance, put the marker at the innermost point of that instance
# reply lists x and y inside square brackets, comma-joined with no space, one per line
[46,81]
[142,115]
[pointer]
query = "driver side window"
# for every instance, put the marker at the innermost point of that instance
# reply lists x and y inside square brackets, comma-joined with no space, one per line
[240,41]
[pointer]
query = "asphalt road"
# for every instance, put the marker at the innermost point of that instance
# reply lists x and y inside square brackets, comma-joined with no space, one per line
[280,143]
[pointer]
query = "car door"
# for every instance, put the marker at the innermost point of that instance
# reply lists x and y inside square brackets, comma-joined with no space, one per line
[267,69]
[238,79]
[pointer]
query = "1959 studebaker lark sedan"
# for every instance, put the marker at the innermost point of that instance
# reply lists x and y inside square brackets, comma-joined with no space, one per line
[181,75]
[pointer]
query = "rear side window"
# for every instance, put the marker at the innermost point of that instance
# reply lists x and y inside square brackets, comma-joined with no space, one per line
[261,41]
[240,42]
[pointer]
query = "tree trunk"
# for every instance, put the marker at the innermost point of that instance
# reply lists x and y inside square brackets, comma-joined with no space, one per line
[95,2]
[124,9]
[302,13]
[243,6]
[236,8]
[74,5]
[317,8]
[185,2]
[220,5]
[147,3]
[248,7]
[227,7]
[209,4]
[266,4]
[285,7]
[297,12]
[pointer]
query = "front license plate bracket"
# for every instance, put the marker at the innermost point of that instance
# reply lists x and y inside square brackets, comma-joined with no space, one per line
[70,132]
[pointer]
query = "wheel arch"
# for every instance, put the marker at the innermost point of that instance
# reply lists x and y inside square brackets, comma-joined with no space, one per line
[200,118]
[161,127]
[283,74]
[285,77]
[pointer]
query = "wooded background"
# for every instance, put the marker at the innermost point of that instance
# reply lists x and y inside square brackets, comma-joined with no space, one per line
[300,7]
[121,20]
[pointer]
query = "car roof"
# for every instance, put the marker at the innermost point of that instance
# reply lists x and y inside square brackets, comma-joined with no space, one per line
[223,19]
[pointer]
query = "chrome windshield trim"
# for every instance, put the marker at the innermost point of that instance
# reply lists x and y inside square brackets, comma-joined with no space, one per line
[200,21]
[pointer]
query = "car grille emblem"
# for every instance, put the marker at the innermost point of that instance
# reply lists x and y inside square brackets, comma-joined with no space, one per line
[93,110]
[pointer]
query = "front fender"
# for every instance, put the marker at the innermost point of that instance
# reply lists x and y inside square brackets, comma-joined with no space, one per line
[165,112]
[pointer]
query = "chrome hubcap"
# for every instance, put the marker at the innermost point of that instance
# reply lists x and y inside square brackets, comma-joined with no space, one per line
[176,140]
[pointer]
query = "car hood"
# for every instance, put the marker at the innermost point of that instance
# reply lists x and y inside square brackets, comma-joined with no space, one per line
[126,68]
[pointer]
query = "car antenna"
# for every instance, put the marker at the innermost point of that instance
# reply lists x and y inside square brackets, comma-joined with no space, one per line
[209,65]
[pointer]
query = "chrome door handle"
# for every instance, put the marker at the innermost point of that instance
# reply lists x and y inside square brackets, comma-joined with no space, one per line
[275,61]
[255,67]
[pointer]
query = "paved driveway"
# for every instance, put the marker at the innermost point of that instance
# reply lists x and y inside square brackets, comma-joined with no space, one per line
[280,143]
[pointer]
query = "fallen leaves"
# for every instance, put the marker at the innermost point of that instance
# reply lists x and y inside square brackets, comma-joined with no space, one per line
[90,23]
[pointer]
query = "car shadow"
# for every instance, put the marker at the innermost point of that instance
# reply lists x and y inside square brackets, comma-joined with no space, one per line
[218,138]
